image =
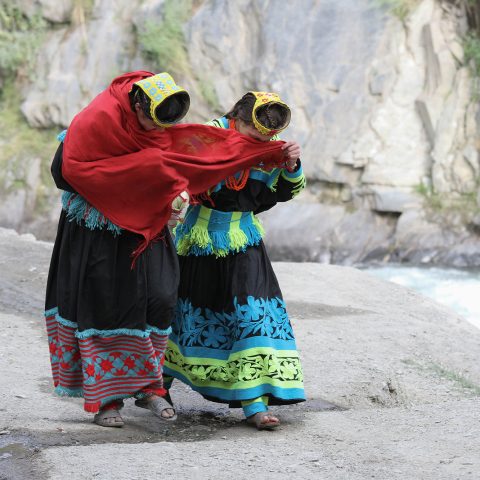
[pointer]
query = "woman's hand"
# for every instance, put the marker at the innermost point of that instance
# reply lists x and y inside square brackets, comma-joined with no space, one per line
[291,150]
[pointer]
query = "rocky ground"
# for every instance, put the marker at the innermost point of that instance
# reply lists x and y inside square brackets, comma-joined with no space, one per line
[393,384]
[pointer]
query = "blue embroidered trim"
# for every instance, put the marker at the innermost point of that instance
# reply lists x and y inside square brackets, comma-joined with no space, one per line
[258,343]
[79,210]
[269,178]
[259,317]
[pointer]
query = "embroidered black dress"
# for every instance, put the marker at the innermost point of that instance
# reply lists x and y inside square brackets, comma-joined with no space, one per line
[232,340]
[107,323]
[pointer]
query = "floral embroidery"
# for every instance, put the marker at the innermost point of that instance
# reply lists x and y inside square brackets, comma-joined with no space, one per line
[198,327]
[244,369]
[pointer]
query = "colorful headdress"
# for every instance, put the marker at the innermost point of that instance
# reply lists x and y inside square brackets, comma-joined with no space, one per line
[263,99]
[158,88]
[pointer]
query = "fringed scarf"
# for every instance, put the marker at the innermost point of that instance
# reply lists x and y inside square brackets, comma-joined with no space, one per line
[132,175]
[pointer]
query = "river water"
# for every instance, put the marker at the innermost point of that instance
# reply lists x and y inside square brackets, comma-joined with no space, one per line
[458,289]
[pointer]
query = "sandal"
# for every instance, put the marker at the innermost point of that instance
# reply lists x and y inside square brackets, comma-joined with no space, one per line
[157,406]
[109,417]
[259,421]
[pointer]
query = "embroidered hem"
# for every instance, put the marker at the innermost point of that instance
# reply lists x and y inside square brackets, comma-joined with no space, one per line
[237,355]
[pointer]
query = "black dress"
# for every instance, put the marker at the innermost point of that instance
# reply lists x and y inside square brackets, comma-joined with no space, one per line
[232,340]
[107,322]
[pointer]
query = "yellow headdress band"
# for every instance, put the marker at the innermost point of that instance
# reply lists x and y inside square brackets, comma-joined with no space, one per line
[158,88]
[265,98]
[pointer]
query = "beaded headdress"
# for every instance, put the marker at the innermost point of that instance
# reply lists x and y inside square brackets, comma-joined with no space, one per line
[265,98]
[158,88]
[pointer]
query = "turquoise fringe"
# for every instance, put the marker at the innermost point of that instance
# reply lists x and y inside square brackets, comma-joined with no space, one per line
[68,392]
[79,210]
[93,332]
[158,331]
[61,136]
[65,322]
[52,311]
[216,236]
[221,241]
[107,333]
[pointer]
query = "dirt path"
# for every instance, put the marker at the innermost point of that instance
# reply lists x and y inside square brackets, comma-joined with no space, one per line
[393,382]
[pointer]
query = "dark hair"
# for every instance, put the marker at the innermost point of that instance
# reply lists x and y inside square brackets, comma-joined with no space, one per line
[171,110]
[271,115]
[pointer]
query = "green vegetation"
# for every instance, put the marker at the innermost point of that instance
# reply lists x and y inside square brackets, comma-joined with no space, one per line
[399,8]
[464,204]
[472,53]
[20,37]
[19,143]
[83,8]
[454,377]
[458,379]
[471,48]
[471,45]
[163,43]
[209,94]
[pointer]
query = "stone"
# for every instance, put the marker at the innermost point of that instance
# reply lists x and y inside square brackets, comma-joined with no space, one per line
[419,240]
[326,84]
[298,231]
[371,241]
[12,208]
[75,64]
[377,84]
[55,11]
[465,254]
[392,199]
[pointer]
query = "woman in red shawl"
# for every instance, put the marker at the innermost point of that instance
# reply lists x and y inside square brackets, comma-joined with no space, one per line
[121,164]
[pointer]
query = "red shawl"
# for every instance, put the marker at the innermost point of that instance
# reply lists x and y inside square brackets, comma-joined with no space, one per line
[132,175]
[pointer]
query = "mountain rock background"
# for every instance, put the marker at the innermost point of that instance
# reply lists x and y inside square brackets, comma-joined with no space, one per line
[384,96]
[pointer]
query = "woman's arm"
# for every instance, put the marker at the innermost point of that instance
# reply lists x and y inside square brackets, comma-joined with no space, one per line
[56,170]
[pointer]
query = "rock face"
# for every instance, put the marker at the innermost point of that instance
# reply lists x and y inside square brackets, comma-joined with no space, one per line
[382,108]
[331,234]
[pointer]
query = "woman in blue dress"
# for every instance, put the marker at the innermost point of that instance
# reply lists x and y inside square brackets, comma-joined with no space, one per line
[232,340]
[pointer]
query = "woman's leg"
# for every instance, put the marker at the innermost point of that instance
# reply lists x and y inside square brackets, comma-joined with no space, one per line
[155,397]
[257,405]
[163,276]
[256,412]
[109,415]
